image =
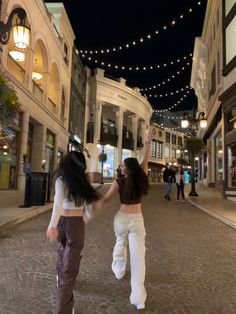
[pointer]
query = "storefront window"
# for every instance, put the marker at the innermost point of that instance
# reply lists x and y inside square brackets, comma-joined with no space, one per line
[30,143]
[8,158]
[232,165]
[167,151]
[205,165]
[219,158]
[109,165]
[126,153]
[230,40]
[231,120]
[49,154]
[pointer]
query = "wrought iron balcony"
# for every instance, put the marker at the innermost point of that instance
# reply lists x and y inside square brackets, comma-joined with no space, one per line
[127,142]
[108,135]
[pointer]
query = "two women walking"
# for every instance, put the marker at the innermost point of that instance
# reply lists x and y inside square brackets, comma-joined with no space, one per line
[74,198]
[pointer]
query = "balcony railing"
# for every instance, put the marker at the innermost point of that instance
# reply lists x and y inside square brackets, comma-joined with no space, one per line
[38,92]
[127,142]
[108,135]
[15,69]
[52,107]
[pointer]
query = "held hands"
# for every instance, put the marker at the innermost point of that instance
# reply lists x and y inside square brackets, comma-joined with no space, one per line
[52,233]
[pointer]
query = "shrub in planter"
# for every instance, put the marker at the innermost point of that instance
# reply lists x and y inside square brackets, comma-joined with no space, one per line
[9,102]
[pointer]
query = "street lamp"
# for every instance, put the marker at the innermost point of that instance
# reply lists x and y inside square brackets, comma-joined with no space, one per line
[194,123]
[21,32]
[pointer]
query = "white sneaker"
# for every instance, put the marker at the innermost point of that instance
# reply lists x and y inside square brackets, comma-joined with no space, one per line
[140,306]
[118,273]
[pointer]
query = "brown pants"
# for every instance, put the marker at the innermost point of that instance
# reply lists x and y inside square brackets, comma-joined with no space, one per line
[71,238]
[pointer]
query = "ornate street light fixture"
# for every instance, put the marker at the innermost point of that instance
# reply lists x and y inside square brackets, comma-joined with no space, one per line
[200,121]
[21,32]
[194,123]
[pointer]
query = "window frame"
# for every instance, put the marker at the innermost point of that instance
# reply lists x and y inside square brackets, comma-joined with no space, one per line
[227,68]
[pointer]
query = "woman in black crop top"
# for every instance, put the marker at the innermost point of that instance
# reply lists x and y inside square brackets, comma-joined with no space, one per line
[128,222]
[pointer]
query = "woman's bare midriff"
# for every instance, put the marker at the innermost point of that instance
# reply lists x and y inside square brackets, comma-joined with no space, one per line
[131,209]
[72,212]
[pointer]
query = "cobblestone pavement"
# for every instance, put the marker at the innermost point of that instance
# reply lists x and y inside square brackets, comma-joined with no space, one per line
[191,264]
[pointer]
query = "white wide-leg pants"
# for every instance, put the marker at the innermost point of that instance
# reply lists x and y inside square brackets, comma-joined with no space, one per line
[129,228]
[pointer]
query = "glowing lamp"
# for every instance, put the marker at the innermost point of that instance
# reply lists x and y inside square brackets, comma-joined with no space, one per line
[17,55]
[36,76]
[21,35]
[184,124]
[203,123]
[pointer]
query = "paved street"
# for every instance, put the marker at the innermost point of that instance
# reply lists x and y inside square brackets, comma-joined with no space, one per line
[191,264]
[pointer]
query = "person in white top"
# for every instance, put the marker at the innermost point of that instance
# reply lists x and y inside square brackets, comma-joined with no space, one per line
[73,198]
[180,182]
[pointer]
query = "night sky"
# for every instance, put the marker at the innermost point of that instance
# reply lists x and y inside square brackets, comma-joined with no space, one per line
[107,24]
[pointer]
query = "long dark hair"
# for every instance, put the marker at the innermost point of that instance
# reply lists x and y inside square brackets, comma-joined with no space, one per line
[136,184]
[72,172]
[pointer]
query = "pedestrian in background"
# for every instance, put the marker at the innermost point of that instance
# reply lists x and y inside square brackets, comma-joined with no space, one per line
[180,182]
[73,195]
[118,170]
[169,179]
[128,222]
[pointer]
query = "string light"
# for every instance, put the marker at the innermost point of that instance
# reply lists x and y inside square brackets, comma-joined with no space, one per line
[144,38]
[171,129]
[175,104]
[178,91]
[137,67]
[172,77]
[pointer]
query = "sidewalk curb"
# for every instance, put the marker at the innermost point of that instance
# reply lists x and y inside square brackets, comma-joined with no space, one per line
[30,213]
[213,214]
[25,216]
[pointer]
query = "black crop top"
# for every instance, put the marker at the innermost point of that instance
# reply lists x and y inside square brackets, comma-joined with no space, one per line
[123,198]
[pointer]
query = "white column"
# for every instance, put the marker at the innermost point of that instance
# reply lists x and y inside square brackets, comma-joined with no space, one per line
[97,122]
[23,149]
[119,125]
[29,61]
[46,79]
[135,132]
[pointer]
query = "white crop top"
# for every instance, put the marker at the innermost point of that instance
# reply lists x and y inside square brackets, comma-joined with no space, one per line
[61,202]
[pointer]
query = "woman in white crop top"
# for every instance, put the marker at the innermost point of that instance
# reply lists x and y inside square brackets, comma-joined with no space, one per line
[73,197]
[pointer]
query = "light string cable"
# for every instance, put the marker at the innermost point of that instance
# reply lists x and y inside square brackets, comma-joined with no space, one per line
[144,38]
[169,79]
[176,104]
[176,129]
[169,94]
[108,65]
